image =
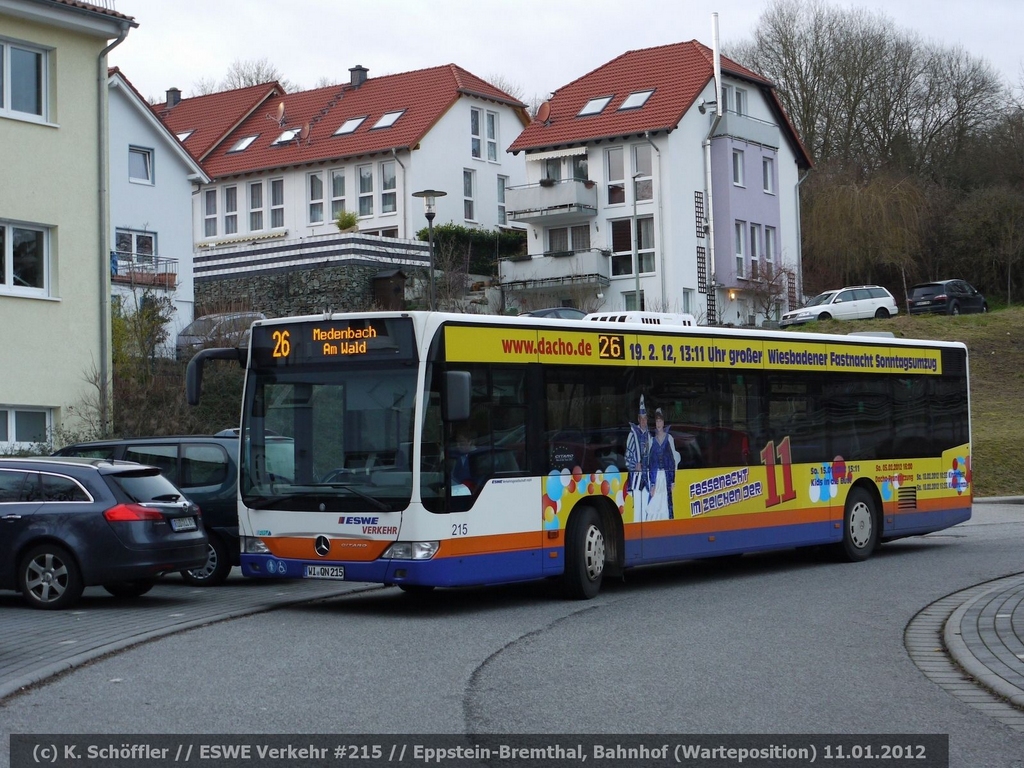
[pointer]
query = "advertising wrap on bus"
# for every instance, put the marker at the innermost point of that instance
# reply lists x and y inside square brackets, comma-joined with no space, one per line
[432,450]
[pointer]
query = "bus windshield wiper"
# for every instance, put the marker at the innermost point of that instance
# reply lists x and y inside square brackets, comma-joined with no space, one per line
[364,496]
[266,502]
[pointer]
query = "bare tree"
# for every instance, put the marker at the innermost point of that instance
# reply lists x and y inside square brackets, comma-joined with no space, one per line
[242,74]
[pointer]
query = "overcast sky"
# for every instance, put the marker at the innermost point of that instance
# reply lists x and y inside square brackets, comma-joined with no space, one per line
[538,45]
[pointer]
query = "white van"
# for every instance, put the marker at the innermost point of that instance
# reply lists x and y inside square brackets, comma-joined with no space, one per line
[646,318]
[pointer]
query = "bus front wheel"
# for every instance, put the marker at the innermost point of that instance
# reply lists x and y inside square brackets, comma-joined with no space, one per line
[584,555]
[860,526]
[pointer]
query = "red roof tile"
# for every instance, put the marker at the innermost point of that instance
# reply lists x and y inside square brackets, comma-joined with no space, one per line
[424,95]
[212,117]
[93,8]
[677,73]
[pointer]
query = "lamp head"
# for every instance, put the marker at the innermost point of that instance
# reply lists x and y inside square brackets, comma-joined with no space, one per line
[429,200]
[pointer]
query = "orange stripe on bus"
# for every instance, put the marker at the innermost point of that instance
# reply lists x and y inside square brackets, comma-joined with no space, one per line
[358,550]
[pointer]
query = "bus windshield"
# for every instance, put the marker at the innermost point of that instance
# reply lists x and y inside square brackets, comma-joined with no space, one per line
[329,440]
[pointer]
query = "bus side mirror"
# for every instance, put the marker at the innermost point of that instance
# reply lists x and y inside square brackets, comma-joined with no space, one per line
[458,387]
[194,372]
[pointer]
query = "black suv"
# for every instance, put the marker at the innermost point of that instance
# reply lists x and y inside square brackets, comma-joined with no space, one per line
[205,468]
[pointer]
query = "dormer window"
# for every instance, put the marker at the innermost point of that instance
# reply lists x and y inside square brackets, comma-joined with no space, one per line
[388,119]
[350,126]
[636,99]
[286,136]
[594,106]
[243,144]
[185,134]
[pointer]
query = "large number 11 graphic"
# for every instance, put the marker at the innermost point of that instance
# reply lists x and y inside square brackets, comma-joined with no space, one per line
[786,460]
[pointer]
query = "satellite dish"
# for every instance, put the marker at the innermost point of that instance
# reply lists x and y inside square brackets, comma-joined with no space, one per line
[544,112]
[304,132]
[281,119]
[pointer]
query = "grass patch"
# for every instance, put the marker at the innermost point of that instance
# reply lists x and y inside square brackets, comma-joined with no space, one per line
[995,348]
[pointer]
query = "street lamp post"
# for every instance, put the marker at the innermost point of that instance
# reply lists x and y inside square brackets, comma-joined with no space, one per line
[430,210]
[636,238]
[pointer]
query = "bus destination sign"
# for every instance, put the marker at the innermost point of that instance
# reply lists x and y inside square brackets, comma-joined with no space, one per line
[322,341]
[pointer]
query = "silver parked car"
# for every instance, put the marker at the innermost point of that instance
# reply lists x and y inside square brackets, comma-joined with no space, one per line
[225,329]
[852,303]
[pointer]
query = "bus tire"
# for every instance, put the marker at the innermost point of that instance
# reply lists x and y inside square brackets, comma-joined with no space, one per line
[584,555]
[860,526]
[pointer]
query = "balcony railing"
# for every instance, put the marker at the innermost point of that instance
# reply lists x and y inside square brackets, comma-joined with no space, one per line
[750,129]
[143,269]
[556,268]
[550,199]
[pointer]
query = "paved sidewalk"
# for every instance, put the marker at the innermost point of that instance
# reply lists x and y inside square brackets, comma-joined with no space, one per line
[36,645]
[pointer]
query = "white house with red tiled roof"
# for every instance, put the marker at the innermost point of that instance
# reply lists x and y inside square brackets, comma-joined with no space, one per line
[151,181]
[644,189]
[284,165]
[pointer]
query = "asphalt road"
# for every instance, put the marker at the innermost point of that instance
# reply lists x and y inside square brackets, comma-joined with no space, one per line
[782,643]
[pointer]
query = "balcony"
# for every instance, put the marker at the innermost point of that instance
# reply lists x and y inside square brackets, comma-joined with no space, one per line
[558,268]
[552,201]
[143,270]
[749,129]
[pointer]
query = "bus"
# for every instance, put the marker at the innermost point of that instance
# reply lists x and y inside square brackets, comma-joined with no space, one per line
[424,449]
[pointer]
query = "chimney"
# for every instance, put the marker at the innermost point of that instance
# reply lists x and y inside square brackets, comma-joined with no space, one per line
[173,97]
[357,75]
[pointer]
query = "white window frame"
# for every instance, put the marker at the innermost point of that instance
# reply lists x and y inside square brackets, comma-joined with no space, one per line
[134,254]
[594,106]
[755,241]
[8,284]
[388,187]
[350,126]
[7,74]
[502,212]
[769,245]
[364,173]
[636,99]
[768,174]
[388,119]
[210,212]
[315,198]
[645,252]
[337,192]
[575,237]
[147,159]
[277,203]
[616,186]
[739,233]
[9,426]
[256,203]
[737,167]
[231,210]
[243,144]
[476,150]
[491,129]
[643,177]
[469,194]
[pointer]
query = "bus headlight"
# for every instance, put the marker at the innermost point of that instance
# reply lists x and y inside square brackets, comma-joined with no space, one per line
[250,545]
[411,550]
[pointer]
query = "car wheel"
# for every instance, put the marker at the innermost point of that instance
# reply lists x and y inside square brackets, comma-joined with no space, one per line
[49,577]
[954,308]
[881,313]
[135,588]
[584,555]
[860,527]
[216,569]
[824,316]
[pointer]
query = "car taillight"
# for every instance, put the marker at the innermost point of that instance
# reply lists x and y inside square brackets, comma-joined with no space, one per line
[128,513]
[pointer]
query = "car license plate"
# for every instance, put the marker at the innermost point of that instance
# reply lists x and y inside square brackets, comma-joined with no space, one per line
[336,572]
[922,303]
[183,524]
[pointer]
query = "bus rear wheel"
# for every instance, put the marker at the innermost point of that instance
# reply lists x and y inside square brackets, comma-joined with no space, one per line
[584,555]
[860,526]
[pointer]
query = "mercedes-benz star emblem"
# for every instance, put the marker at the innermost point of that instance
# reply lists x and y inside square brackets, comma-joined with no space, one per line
[322,546]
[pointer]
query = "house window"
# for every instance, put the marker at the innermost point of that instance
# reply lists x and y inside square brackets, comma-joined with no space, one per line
[210,213]
[579,168]
[315,197]
[643,186]
[622,247]
[230,210]
[337,193]
[755,240]
[616,176]
[468,189]
[388,119]
[140,165]
[734,100]
[738,234]
[475,143]
[502,183]
[24,260]
[492,136]
[558,240]
[276,203]
[553,168]
[636,100]
[388,185]
[645,244]
[769,247]
[256,206]
[134,246]
[768,174]
[349,126]
[594,106]
[21,427]
[737,167]
[366,190]
[243,144]
[23,81]
[569,239]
